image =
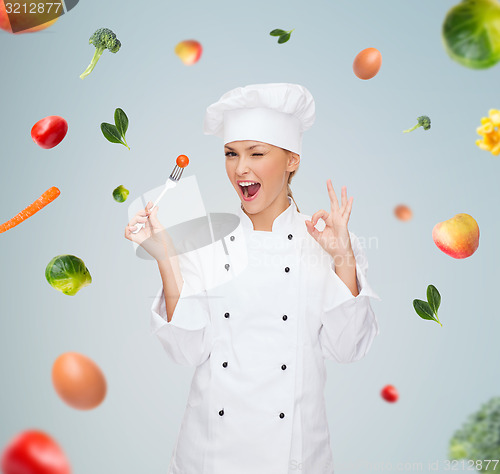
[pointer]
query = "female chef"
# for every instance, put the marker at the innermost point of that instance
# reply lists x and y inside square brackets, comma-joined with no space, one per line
[259,313]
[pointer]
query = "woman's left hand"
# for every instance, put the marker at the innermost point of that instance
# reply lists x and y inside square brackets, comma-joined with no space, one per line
[335,237]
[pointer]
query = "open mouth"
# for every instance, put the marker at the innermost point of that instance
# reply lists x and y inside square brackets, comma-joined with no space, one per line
[249,189]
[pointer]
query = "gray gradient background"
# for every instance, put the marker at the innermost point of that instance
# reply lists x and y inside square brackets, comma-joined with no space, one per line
[442,374]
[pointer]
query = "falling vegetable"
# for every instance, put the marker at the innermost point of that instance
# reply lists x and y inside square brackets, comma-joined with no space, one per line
[389,393]
[120,194]
[428,309]
[49,131]
[116,133]
[46,198]
[471,33]
[489,130]
[478,440]
[34,452]
[102,39]
[284,36]
[423,121]
[67,274]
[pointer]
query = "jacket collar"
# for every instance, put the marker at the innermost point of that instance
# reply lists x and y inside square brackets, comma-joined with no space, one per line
[285,222]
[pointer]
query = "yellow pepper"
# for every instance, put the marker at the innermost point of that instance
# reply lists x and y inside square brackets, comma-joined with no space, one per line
[489,130]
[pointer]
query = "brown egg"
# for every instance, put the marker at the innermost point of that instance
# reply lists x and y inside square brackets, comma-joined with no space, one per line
[403,213]
[367,63]
[78,380]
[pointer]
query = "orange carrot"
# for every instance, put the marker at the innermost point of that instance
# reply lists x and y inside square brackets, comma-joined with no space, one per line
[46,198]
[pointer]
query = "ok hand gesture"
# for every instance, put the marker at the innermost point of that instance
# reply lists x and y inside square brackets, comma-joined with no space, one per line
[334,238]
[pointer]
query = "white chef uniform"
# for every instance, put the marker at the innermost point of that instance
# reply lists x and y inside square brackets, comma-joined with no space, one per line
[258,314]
[258,342]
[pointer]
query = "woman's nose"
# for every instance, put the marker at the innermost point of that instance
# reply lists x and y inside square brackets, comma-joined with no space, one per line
[242,167]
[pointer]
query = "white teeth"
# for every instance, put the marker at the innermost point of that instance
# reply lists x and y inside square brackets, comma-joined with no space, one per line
[247,183]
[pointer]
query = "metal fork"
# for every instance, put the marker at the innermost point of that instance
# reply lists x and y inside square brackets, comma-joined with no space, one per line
[171,182]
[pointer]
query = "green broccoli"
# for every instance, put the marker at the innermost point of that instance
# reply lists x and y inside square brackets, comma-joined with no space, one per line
[102,39]
[479,438]
[423,121]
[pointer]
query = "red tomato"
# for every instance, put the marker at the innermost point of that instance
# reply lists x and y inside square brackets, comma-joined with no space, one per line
[34,452]
[182,161]
[49,131]
[389,393]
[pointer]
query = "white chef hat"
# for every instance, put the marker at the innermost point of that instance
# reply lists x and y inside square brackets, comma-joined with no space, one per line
[276,113]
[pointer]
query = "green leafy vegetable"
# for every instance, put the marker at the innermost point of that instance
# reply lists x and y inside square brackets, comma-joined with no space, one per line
[111,133]
[284,36]
[428,309]
[423,309]
[120,194]
[121,121]
[116,133]
[434,298]
[423,121]
[471,33]
[102,39]
[479,438]
[67,274]
[278,32]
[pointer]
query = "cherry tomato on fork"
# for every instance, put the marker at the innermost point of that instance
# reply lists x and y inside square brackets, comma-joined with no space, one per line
[182,161]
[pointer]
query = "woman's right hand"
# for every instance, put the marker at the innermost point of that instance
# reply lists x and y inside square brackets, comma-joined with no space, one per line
[153,236]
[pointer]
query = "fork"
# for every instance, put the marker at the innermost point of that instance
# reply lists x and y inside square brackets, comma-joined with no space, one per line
[171,182]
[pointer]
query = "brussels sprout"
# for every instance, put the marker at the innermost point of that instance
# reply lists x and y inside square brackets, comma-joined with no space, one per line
[68,274]
[471,33]
[120,194]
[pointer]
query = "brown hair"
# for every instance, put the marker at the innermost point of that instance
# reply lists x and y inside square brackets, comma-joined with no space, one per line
[289,189]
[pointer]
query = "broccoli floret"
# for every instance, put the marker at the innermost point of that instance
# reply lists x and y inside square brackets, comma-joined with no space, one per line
[423,121]
[102,39]
[479,437]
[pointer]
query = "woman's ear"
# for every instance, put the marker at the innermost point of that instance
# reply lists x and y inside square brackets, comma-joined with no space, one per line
[293,161]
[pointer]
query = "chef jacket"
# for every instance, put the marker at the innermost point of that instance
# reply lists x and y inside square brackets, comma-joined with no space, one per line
[258,314]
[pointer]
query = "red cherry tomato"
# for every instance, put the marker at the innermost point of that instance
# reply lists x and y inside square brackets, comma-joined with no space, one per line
[34,452]
[49,131]
[182,161]
[389,393]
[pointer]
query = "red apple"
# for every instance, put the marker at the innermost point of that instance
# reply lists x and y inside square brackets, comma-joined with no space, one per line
[189,51]
[457,237]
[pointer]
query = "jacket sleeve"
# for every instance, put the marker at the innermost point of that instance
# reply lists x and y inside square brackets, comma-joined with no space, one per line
[187,338]
[349,324]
